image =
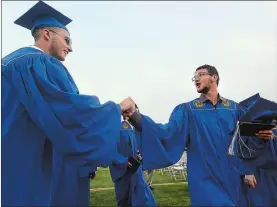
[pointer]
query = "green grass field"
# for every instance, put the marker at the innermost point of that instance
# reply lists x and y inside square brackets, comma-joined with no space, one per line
[165,195]
[103,179]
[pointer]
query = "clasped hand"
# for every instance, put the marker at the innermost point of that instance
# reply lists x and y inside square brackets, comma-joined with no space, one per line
[128,107]
[265,134]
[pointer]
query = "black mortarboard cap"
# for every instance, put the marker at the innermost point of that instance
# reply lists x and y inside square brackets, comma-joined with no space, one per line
[247,103]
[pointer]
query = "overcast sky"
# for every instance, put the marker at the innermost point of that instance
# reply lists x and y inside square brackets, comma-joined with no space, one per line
[150,50]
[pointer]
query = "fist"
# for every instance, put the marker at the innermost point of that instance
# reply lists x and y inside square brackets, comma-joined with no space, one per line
[128,107]
[92,175]
[250,180]
[265,134]
[139,156]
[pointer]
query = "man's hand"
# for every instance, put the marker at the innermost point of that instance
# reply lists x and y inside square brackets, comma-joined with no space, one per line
[265,134]
[129,165]
[139,156]
[250,180]
[128,107]
[92,175]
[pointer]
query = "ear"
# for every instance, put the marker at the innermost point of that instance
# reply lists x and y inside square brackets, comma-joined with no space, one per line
[214,77]
[46,34]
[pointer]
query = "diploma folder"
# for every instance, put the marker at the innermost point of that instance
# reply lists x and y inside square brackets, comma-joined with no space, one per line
[135,164]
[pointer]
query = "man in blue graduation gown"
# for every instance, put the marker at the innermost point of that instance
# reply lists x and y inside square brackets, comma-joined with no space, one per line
[261,154]
[203,126]
[130,188]
[43,112]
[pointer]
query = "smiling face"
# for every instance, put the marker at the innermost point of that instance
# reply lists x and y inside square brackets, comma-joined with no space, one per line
[204,80]
[60,43]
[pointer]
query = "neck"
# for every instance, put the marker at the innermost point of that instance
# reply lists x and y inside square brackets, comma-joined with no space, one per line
[212,95]
[42,47]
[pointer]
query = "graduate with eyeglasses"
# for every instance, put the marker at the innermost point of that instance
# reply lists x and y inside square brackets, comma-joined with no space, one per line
[204,126]
[44,115]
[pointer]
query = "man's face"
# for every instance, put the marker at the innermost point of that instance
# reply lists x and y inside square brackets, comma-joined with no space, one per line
[203,80]
[60,43]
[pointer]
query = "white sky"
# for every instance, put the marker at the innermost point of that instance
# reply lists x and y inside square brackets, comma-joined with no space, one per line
[150,50]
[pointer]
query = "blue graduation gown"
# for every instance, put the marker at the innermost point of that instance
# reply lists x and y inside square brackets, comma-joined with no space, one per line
[263,156]
[71,183]
[130,189]
[214,176]
[42,108]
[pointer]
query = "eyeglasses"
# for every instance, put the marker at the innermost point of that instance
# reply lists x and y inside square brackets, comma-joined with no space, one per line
[67,40]
[198,76]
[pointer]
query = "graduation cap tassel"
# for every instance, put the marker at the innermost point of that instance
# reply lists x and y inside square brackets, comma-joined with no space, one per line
[242,142]
[274,135]
[232,145]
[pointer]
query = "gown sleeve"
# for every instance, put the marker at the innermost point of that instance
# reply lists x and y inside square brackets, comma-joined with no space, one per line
[253,151]
[250,147]
[162,145]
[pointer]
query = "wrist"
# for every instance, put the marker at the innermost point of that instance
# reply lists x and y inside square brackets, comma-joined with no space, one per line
[135,120]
